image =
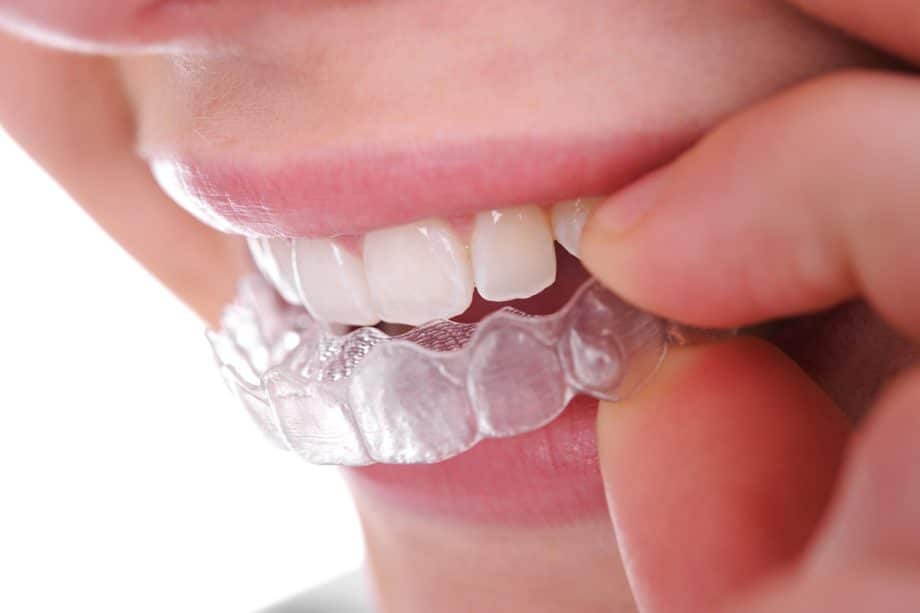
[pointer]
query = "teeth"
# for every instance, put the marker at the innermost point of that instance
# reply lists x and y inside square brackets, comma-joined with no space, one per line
[273,256]
[513,253]
[569,219]
[258,247]
[418,272]
[332,284]
[282,250]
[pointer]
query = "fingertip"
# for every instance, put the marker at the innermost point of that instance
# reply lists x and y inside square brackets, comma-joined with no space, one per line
[640,245]
[718,472]
[607,242]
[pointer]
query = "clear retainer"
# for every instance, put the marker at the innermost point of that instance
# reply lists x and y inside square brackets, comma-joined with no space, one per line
[433,392]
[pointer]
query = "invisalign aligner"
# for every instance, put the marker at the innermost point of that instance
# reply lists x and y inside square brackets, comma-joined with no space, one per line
[435,391]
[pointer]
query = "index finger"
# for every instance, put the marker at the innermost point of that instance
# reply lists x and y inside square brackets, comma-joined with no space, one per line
[794,206]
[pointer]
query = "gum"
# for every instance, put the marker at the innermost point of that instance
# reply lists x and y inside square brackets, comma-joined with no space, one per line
[436,391]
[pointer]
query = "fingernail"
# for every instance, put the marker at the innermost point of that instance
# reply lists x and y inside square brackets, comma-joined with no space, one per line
[626,209]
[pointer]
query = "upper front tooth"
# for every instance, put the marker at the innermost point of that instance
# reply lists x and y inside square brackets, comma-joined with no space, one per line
[332,284]
[569,219]
[273,256]
[513,253]
[418,272]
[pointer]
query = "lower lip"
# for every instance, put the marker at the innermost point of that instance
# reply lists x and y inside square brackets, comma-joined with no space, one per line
[548,476]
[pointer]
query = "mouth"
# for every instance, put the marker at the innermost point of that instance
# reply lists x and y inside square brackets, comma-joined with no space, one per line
[346,371]
[348,244]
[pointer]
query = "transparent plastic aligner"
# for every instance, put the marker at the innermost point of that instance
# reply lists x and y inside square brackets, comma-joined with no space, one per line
[435,391]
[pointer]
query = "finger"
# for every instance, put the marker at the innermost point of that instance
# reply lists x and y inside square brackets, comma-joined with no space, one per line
[877,512]
[87,145]
[856,590]
[868,555]
[717,473]
[891,24]
[796,205]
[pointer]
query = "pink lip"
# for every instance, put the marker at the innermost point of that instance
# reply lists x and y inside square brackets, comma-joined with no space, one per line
[351,192]
[549,476]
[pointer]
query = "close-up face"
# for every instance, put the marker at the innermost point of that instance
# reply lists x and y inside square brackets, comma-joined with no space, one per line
[395,162]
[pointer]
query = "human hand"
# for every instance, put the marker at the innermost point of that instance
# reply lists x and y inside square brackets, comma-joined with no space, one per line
[719,475]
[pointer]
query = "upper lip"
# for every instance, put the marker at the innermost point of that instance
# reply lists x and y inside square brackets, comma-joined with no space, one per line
[332,193]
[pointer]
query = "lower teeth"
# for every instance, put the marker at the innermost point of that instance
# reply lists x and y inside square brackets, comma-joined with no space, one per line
[436,390]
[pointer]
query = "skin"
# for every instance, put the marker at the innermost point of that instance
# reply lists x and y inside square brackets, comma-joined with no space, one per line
[843,228]
[752,495]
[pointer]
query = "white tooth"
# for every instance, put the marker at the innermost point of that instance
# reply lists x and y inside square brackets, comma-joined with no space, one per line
[263,259]
[279,252]
[513,253]
[418,272]
[272,257]
[569,219]
[332,284]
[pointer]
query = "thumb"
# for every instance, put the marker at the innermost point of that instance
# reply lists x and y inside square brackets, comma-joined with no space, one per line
[868,555]
[717,473]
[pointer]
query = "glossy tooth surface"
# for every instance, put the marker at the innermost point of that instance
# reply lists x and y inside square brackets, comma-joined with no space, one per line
[273,256]
[513,253]
[332,284]
[569,219]
[263,258]
[418,272]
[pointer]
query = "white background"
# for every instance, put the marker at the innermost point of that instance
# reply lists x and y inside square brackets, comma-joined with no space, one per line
[129,479]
